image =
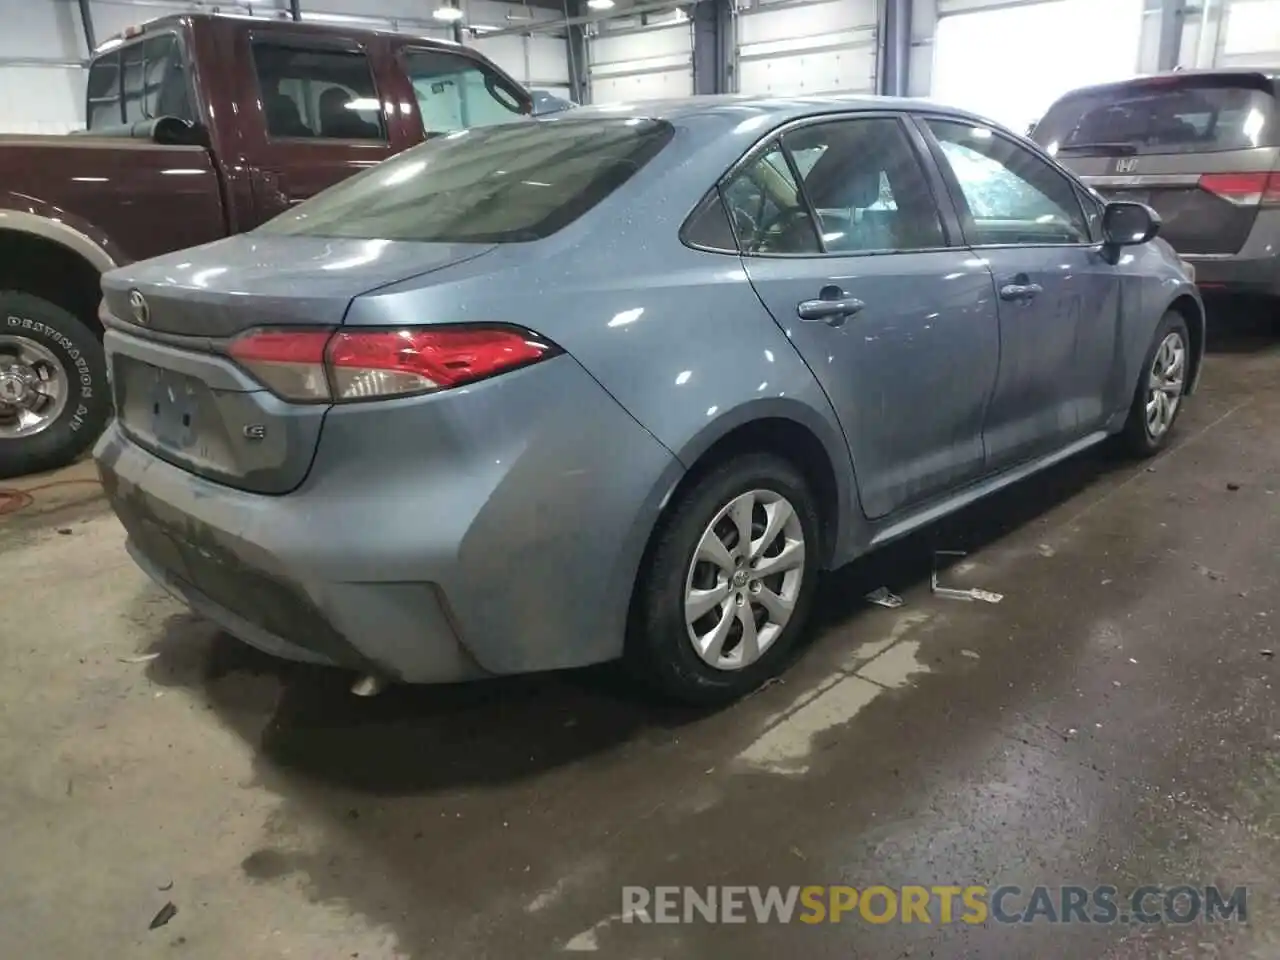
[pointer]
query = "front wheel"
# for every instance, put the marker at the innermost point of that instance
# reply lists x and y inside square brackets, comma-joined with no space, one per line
[53,391]
[1157,399]
[729,582]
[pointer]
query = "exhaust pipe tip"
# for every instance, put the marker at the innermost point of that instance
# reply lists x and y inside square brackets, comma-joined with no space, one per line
[368,686]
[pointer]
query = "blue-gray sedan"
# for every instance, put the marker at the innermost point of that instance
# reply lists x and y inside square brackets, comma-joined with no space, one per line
[621,382]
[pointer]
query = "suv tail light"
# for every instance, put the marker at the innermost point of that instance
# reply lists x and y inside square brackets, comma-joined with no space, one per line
[1244,189]
[326,366]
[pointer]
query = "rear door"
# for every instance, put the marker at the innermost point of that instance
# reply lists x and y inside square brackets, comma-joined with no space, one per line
[1197,147]
[898,326]
[1058,296]
[321,116]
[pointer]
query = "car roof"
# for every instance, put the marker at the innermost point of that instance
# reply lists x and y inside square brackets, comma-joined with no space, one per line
[777,110]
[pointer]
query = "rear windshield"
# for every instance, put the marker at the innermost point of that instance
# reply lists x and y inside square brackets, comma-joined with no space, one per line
[1164,115]
[503,184]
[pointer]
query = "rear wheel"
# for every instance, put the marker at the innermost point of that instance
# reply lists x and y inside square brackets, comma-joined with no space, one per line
[729,582]
[1157,399]
[53,392]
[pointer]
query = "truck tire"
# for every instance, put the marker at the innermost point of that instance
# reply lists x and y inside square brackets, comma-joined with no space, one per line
[54,399]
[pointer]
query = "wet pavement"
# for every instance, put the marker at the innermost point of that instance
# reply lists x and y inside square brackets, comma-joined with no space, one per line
[1114,720]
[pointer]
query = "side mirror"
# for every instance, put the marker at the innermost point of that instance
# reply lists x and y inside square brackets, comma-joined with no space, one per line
[1127,224]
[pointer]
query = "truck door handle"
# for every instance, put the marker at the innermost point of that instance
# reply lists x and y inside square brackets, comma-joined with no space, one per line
[833,307]
[1020,291]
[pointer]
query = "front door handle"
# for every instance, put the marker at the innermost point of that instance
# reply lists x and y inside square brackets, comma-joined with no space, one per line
[832,308]
[1020,291]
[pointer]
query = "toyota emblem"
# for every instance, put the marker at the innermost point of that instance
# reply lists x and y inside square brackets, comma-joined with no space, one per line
[138,305]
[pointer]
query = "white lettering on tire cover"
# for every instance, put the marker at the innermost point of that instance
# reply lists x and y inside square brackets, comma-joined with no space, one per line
[81,364]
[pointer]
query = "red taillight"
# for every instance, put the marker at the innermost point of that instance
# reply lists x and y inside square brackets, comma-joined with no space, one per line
[1244,189]
[323,365]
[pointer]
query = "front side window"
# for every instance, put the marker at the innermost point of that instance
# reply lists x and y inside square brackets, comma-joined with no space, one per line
[455,92]
[317,94]
[504,184]
[1013,197]
[139,81]
[866,186]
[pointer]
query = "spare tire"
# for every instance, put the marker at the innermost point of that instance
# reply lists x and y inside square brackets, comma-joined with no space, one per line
[54,398]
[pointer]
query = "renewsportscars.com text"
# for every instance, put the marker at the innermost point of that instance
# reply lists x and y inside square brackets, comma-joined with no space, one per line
[934,904]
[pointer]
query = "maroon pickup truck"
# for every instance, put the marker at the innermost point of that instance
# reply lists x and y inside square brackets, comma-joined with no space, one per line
[198,126]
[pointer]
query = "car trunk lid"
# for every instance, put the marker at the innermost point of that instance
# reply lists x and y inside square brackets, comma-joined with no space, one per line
[1201,149]
[177,390]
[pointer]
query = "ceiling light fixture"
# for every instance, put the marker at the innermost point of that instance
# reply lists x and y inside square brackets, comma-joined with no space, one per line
[448,14]
[600,4]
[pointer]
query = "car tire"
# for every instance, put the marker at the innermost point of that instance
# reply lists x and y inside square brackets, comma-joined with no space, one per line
[41,343]
[1139,438]
[661,643]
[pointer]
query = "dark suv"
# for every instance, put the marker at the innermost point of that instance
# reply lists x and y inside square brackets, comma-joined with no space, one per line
[1202,148]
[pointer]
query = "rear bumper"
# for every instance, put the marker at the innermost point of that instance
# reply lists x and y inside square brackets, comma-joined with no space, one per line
[1255,268]
[435,539]
[1237,275]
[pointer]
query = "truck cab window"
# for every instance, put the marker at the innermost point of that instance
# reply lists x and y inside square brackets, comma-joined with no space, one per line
[454,92]
[139,81]
[318,94]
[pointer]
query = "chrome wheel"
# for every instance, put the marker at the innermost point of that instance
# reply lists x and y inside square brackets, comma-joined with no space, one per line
[1165,384]
[744,580]
[33,387]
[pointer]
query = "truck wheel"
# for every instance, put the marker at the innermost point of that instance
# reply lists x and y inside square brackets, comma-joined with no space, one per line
[54,399]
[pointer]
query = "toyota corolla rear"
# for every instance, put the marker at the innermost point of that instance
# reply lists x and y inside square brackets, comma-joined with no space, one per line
[425,498]
[1202,148]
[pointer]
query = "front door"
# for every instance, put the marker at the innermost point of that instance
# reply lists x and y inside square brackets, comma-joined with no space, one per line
[1057,295]
[843,242]
[322,118]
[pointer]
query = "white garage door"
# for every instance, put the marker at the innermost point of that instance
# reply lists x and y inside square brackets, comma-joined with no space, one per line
[1010,61]
[824,46]
[628,61]
[1251,34]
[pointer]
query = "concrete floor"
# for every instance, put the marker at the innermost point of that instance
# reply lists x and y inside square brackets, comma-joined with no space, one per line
[1114,720]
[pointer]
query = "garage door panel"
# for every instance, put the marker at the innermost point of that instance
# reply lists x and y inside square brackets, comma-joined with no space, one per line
[642,44]
[801,20]
[650,86]
[641,63]
[811,73]
[825,46]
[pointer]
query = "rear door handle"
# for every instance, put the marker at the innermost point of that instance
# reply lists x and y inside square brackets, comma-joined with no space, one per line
[833,312]
[1020,291]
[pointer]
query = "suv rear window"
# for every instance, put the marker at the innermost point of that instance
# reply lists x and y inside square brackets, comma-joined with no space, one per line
[504,184]
[1163,115]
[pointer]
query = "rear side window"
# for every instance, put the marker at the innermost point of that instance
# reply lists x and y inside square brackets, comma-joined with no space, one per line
[1163,115]
[317,94]
[504,184]
[139,81]
[454,92]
